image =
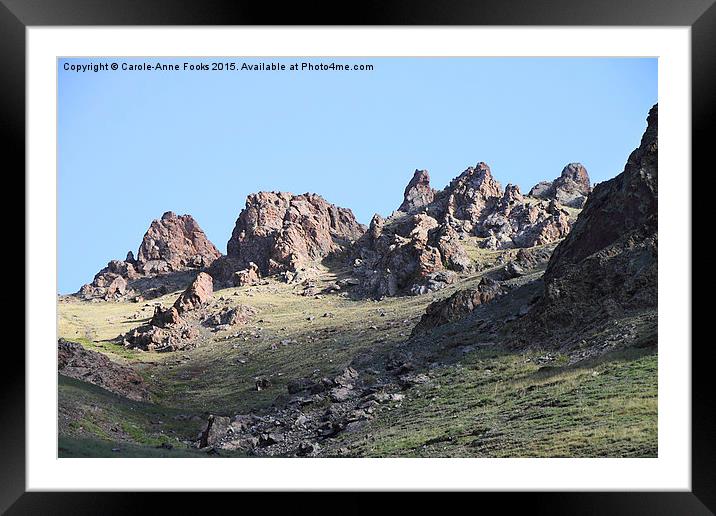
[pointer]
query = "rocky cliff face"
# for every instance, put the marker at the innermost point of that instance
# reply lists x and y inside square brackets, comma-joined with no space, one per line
[280,232]
[606,268]
[172,246]
[571,188]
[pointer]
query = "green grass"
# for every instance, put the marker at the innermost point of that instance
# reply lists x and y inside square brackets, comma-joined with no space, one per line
[490,404]
[213,378]
[88,412]
[504,405]
[90,447]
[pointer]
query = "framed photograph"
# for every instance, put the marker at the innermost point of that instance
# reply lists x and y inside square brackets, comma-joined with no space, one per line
[412,250]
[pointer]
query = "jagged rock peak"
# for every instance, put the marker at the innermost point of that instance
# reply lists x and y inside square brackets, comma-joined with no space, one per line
[175,243]
[418,193]
[472,195]
[479,173]
[478,178]
[577,173]
[512,194]
[279,231]
[376,226]
[571,188]
[173,246]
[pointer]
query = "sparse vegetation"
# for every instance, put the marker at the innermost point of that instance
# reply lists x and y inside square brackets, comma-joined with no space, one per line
[490,403]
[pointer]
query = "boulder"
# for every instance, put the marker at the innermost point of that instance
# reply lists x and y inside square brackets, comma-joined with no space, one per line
[196,295]
[248,276]
[163,318]
[214,431]
[161,339]
[231,316]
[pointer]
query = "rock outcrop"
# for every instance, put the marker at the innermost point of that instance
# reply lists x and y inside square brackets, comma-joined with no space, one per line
[174,327]
[607,267]
[418,249]
[173,248]
[406,256]
[196,295]
[418,193]
[230,316]
[174,243]
[469,198]
[251,275]
[457,305]
[111,282]
[571,188]
[75,361]
[516,223]
[280,232]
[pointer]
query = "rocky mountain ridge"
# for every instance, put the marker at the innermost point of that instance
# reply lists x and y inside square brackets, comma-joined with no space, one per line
[418,249]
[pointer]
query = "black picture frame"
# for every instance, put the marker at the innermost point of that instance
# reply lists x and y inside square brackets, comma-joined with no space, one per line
[699,15]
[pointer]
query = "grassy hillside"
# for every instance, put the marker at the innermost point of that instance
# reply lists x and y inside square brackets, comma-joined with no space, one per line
[486,403]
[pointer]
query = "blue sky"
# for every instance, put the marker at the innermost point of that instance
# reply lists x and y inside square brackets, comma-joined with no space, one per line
[134,144]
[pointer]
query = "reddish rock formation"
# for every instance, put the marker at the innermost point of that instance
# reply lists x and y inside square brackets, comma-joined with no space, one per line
[247,277]
[607,265]
[284,232]
[231,316]
[164,318]
[471,196]
[452,253]
[155,338]
[174,243]
[75,361]
[516,223]
[111,283]
[196,295]
[171,249]
[402,256]
[418,193]
[174,328]
[571,188]
[416,252]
